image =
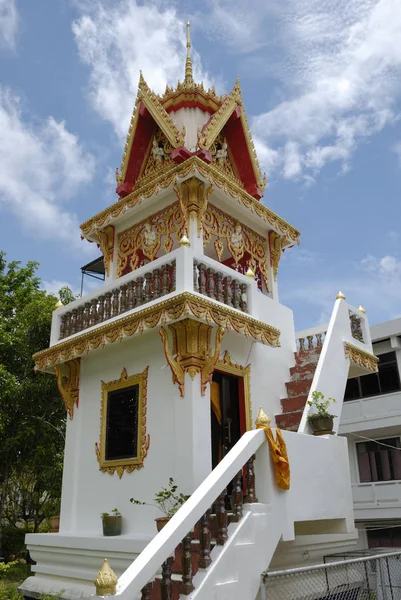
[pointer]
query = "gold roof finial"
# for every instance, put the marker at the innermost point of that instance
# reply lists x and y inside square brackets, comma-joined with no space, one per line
[340,296]
[106,580]
[262,420]
[188,64]
[361,309]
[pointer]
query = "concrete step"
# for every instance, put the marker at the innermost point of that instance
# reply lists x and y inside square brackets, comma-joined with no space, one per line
[295,403]
[289,421]
[298,387]
[305,369]
[304,356]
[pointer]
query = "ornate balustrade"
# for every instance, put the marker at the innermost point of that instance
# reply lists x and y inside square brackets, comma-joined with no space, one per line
[311,342]
[236,471]
[220,286]
[140,290]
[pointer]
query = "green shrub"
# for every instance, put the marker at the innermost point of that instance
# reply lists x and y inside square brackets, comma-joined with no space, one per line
[13,542]
[9,591]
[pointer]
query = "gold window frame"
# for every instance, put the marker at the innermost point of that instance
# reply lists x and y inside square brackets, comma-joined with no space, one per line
[143,440]
[226,365]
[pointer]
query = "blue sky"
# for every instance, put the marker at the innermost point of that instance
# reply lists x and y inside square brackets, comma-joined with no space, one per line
[321,82]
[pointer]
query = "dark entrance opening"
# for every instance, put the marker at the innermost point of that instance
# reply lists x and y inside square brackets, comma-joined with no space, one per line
[227,413]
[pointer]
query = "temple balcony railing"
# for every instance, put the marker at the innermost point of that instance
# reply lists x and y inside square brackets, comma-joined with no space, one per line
[177,272]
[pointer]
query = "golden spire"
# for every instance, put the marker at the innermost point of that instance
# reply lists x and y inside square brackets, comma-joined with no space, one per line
[188,64]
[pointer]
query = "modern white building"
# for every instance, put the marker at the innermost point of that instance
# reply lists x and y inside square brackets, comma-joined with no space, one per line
[371,421]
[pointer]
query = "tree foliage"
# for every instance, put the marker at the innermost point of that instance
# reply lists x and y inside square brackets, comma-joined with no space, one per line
[32,415]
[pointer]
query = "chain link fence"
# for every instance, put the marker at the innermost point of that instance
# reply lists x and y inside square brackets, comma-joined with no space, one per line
[374,577]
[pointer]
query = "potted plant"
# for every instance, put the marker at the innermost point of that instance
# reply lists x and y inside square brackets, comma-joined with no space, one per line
[54,524]
[320,420]
[168,500]
[111,523]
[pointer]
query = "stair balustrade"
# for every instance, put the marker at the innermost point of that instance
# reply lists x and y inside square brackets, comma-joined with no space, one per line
[219,286]
[236,472]
[138,291]
[311,342]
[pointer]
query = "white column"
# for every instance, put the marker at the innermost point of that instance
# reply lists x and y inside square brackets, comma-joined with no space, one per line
[196,242]
[192,439]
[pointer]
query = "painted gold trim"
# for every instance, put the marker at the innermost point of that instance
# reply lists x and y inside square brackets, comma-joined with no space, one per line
[159,114]
[124,464]
[208,134]
[277,243]
[174,308]
[106,243]
[191,351]
[226,365]
[193,196]
[190,167]
[67,376]
[359,357]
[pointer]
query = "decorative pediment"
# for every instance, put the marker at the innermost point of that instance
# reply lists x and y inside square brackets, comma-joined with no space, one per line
[231,121]
[148,116]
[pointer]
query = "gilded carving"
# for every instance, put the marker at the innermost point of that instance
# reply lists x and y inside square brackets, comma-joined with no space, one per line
[106,243]
[239,239]
[191,351]
[208,134]
[67,376]
[194,165]
[125,464]
[193,196]
[359,357]
[174,308]
[159,157]
[147,236]
[222,160]
[226,365]
[277,243]
[356,326]
[159,114]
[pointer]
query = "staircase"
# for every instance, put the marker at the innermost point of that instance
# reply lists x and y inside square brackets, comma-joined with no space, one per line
[302,373]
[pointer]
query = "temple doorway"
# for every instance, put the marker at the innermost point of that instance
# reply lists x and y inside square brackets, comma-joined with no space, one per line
[228,413]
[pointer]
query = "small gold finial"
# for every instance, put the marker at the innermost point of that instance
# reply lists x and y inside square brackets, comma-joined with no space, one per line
[340,295]
[59,304]
[106,580]
[361,309]
[188,63]
[184,241]
[262,420]
[250,273]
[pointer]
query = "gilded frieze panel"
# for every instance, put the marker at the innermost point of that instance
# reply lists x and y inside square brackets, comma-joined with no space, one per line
[234,237]
[144,240]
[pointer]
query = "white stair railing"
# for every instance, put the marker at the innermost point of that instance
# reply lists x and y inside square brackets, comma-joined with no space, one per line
[147,564]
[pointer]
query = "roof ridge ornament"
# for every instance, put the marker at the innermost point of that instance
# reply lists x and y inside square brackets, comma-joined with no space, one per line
[188,63]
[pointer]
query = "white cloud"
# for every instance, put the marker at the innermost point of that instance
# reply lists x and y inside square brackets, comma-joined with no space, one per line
[8,23]
[117,41]
[339,77]
[40,168]
[375,283]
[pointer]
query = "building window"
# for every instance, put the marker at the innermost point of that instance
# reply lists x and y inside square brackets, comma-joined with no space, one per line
[385,381]
[384,538]
[123,440]
[377,462]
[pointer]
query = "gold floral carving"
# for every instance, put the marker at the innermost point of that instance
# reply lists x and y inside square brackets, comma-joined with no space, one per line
[239,239]
[106,243]
[226,166]
[159,114]
[277,243]
[106,580]
[67,376]
[152,185]
[152,165]
[191,351]
[193,196]
[147,236]
[136,462]
[359,357]
[172,309]
[208,134]
[226,365]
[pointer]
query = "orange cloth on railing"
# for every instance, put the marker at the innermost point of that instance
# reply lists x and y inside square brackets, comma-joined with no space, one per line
[278,452]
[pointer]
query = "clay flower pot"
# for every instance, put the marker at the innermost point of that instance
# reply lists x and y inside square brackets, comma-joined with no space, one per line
[322,425]
[161,522]
[54,524]
[111,525]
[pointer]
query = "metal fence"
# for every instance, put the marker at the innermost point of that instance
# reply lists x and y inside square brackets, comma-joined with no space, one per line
[374,577]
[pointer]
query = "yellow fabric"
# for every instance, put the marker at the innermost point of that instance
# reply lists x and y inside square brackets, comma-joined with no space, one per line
[278,452]
[215,398]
